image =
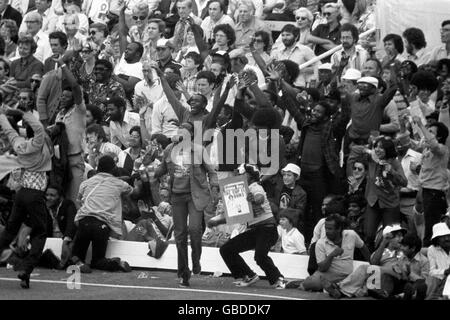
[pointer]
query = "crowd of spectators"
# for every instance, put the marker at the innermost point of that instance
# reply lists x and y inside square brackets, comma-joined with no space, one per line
[97,97]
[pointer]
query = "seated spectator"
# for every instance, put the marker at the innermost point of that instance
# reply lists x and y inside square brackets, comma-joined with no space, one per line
[248,24]
[395,256]
[329,30]
[439,257]
[217,16]
[73,7]
[33,26]
[27,64]
[8,88]
[9,33]
[100,217]
[355,213]
[334,254]
[292,241]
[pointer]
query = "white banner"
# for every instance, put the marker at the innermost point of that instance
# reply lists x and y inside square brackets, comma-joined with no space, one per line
[394,16]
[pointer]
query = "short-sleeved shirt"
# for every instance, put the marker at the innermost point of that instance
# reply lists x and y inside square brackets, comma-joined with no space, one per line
[323,31]
[342,264]
[75,123]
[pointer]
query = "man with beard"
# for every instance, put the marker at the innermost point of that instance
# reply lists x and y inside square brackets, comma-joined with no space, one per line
[294,51]
[73,115]
[119,128]
[415,45]
[351,55]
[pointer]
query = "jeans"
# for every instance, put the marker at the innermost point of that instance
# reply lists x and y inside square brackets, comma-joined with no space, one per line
[373,216]
[29,205]
[434,207]
[89,230]
[183,207]
[259,238]
[77,168]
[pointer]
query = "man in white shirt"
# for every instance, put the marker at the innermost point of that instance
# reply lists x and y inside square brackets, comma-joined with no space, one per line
[442,51]
[33,24]
[216,16]
[49,18]
[296,52]
[415,45]
[146,92]
[354,54]
[164,119]
[119,128]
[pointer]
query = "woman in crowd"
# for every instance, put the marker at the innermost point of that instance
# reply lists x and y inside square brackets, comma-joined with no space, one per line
[385,176]
[260,45]
[93,115]
[88,53]
[189,45]
[9,33]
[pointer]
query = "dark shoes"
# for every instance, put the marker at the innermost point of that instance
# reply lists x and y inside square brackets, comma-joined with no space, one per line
[331,288]
[184,283]
[25,280]
[124,266]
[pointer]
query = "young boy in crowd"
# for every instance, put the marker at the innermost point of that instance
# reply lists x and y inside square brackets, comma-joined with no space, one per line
[292,241]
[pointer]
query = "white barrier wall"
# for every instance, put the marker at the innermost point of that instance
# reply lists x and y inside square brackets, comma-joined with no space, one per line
[292,266]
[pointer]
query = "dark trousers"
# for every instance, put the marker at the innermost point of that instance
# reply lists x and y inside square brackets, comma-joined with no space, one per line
[29,205]
[183,207]
[312,262]
[317,186]
[373,216]
[89,230]
[259,238]
[434,206]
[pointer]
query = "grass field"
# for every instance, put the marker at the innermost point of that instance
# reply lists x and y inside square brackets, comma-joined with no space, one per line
[138,285]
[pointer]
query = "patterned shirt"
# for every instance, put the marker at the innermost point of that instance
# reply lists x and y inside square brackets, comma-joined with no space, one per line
[189,80]
[34,180]
[98,92]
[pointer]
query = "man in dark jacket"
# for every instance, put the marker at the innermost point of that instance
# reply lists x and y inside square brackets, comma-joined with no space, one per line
[318,154]
[8,12]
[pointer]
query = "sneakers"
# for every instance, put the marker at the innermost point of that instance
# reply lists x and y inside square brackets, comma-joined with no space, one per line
[248,281]
[331,288]
[196,269]
[280,284]
[84,268]
[184,283]
[124,266]
[294,284]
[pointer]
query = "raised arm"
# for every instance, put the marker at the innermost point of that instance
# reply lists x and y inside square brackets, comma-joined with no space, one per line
[68,75]
[212,116]
[180,111]
[123,31]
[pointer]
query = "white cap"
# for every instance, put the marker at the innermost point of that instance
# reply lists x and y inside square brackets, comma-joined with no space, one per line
[290,167]
[440,229]
[392,228]
[370,80]
[162,43]
[325,66]
[352,74]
